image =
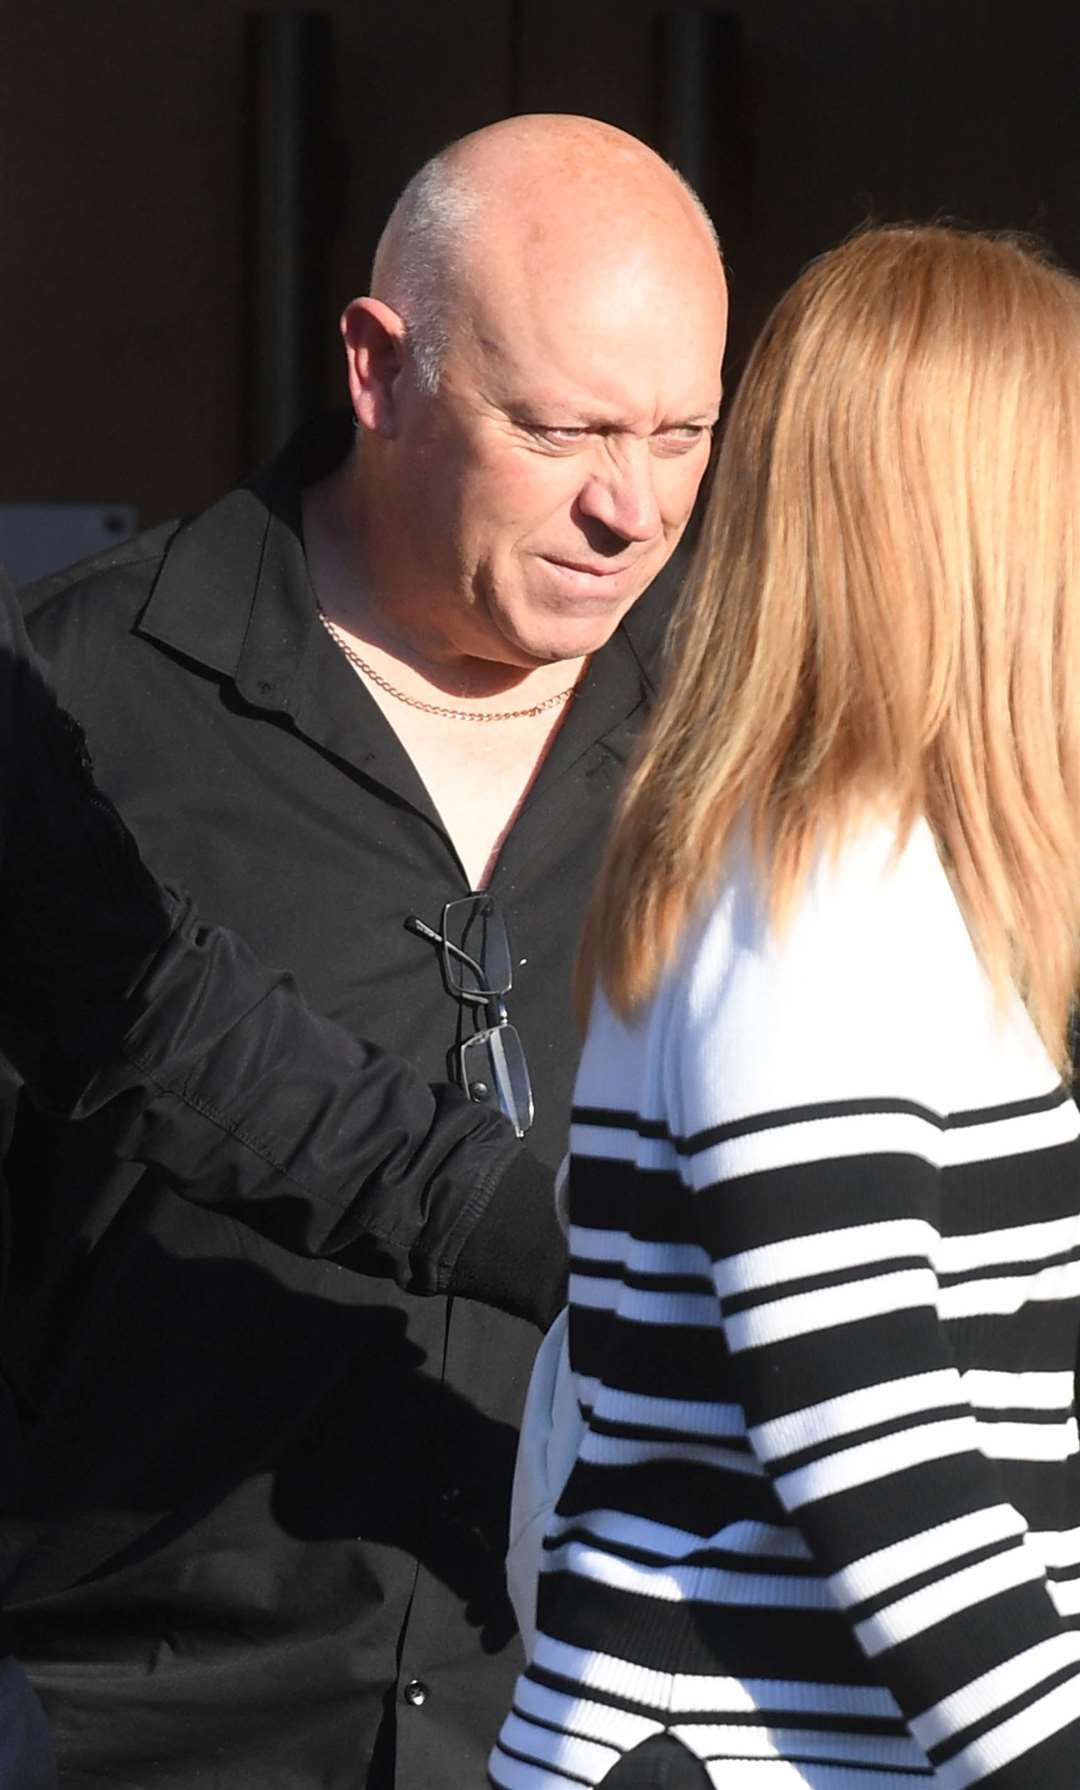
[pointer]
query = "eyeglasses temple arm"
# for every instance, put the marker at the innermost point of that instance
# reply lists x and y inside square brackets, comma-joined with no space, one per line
[413,923]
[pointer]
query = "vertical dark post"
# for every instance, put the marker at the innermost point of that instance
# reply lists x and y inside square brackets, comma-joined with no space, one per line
[288,72]
[515,35]
[700,109]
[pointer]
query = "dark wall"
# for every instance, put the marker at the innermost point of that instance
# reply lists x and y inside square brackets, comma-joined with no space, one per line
[124,315]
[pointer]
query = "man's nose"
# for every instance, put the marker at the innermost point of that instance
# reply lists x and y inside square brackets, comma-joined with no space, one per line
[621,493]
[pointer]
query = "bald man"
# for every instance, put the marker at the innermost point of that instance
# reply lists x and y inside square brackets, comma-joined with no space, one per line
[372,709]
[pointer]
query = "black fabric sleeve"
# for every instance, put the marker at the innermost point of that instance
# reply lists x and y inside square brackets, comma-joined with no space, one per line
[115,993]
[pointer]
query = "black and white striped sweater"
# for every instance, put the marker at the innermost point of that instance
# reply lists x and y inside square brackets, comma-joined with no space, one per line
[824,1521]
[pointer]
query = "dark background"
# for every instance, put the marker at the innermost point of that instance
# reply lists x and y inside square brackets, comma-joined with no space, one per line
[127,300]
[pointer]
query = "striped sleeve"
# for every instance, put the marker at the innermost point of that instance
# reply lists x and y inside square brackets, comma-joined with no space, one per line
[809,1076]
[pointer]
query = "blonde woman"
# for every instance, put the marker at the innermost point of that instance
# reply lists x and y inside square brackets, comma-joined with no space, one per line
[823,1524]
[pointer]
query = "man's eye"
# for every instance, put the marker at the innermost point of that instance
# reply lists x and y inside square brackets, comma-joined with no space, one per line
[556,434]
[682,436]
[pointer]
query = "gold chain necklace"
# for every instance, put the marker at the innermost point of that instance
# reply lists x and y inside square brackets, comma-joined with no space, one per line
[435,708]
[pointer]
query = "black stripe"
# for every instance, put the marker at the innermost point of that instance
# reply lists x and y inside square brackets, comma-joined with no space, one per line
[784,1117]
[985,1414]
[740,1641]
[690,1357]
[681,1494]
[988,1340]
[1013,1109]
[654,1432]
[1028,1269]
[612,1119]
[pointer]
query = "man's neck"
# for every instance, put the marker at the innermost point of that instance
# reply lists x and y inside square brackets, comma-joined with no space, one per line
[358,589]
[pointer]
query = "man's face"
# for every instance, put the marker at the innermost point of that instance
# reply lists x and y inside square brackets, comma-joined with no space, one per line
[551,476]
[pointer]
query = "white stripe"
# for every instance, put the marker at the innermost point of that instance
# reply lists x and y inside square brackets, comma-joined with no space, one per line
[700,1417]
[1006,1293]
[710,1693]
[1029,1441]
[1011,1739]
[862,1245]
[614,1451]
[973,1701]
[643,1258]
[586,1759]
[1065,1596]
[830,1307]
[988,1389]
[815,1140]
[594,1721]
[880,1571]
[851,1411]
[960,1591]
[1013,1243]
[757,1541]
[876,1460]
[638,1307]
[688,1584]
[872,1750]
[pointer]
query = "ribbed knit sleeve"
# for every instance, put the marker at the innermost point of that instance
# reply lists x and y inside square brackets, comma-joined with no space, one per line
[811,1088]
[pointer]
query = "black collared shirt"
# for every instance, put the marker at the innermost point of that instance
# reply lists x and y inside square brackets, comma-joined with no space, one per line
[267,1497]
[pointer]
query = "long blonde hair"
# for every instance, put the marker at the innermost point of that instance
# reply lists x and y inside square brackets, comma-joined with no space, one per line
[883,608]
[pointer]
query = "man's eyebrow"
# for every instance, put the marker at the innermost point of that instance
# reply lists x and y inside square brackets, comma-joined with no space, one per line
[571,416]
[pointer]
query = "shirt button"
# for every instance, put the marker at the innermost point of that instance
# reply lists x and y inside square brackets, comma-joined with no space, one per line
[416,1693]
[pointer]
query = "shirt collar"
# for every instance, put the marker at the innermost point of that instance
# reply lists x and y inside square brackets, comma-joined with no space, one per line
[249,543]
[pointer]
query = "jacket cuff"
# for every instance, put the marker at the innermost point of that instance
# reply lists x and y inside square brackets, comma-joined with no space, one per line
[515,1257]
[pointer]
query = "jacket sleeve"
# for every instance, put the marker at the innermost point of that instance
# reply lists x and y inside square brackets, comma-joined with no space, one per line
[114,993]
[815,1154]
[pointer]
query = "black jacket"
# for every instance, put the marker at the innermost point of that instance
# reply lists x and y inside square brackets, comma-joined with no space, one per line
[267,1498]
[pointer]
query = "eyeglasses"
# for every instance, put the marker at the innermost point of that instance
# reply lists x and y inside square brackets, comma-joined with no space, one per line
[475,952]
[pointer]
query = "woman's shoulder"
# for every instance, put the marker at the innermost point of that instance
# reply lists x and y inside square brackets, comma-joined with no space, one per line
[868,986]
[866,898]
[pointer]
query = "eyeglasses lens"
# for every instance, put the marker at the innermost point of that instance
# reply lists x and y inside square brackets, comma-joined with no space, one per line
[493,1068]
[475,929]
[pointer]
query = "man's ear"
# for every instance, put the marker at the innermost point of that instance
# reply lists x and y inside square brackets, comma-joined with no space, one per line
[374,338]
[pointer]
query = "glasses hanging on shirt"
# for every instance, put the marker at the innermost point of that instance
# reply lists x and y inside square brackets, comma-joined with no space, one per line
[475,953]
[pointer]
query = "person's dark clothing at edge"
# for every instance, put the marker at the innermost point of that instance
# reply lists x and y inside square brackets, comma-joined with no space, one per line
[113,991]
[266,1507]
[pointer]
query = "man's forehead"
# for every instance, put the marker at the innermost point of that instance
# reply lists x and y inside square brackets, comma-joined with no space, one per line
[599,368]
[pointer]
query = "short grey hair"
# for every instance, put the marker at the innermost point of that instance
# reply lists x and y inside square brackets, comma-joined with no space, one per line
[418,254]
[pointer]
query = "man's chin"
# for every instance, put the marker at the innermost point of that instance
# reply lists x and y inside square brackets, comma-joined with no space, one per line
[546,638]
